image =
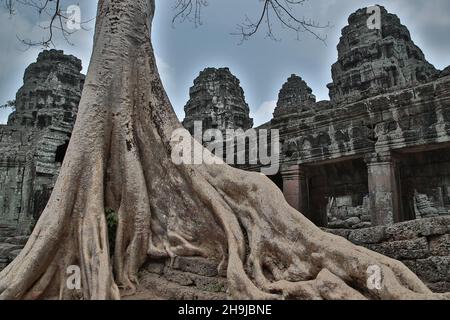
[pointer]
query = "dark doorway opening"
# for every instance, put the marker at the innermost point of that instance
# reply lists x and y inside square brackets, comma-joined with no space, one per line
[277,179]
[344,184]
[425,183]
[61,152]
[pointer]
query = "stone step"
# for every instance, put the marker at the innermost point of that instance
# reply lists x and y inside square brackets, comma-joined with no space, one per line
[196,265]
[154,286]
[209,284]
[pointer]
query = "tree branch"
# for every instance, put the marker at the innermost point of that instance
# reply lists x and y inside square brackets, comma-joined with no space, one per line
[282,11]
[57,20]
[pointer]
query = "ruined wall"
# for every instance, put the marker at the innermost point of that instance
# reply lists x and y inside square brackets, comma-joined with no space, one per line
[422,245]
[13,165]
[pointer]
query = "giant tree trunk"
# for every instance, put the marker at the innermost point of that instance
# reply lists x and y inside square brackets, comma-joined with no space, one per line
[119,158]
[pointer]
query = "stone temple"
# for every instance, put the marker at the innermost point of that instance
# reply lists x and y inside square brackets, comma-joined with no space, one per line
[379,151]
[372,164]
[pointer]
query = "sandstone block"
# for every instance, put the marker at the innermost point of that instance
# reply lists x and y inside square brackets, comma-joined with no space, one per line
[406,249]
[433,269]
[440,245]
[367,236]
[418,228]
[196,265]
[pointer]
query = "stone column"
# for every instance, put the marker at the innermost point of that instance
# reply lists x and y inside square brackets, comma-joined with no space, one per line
[383,188]
[295,187]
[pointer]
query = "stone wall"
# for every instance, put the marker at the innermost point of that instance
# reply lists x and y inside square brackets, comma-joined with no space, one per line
[10,244]
[422,245]
[184,278]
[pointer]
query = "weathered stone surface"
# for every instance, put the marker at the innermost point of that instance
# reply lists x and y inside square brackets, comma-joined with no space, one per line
[344,233]
[3,264]
[6,233]
[196,265]
[181,279]
[51,91]
[445,72]
[406,249]
[33,143]
[419,244]
[295,93]
[218,101]
[13,254]
[211,284]
[156,286]
[362,225]
[372,61]
[418,228]
[367,236]
[295,101]
[155,267]
[431,270]
[19,240]
[440,287]
[7,248]
[440,245]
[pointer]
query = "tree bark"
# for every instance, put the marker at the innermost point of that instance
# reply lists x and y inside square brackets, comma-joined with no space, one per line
[119,157]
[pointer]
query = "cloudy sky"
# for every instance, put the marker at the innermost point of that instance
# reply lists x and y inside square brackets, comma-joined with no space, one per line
[261,64]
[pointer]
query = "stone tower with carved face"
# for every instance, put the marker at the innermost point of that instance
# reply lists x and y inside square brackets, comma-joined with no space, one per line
[218,102]
[374,61]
